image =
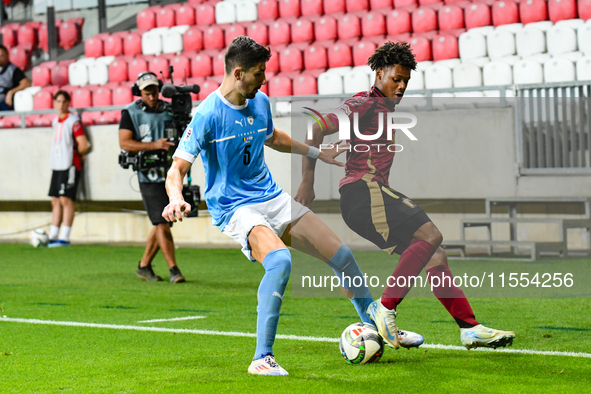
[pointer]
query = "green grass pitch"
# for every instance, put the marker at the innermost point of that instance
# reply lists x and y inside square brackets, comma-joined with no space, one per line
[97,284]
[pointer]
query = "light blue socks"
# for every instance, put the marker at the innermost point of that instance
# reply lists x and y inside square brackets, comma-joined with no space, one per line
[344,266]
[277,266]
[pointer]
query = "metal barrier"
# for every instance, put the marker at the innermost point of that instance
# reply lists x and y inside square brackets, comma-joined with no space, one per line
[553,127]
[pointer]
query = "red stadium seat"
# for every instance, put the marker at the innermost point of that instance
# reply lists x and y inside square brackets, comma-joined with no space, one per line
[259,32]
[559,10]
[88,117]
[505,12]
[312,7]
[362,51]
[291,59]
[218,64]
[41,75]
[102,97]
[424,19]
[109,117]
[334,6]
[233,31]
[315,57]
[213,37]
[9,36]
[289,8]
[66,62]
[421,47]
[427,2]
[201,65]
[405,3]
[584,9]
[93,47]
[82,98]
[381,4]
[181,67]
[477,15]
[122,95]
[373,24]
[451,17]
[533,11]
[159,66]
[135,67]
[59,75]
[34,24]
[69,35]
[78,21]
[268,9]
[304,85]
[132,44]
[279,86]
[118,71]
[185,15]
[166,17]
[39,120]
[113,46]
[398,22]
[445,46]
[279,33]
[27,36]
[193,39]
[357,5]
[273,63]
[146,19]
[43,99]
[302,30]
[326,28]
[207,88]
[349,26]
[20,57]
[205,14]
[339,55]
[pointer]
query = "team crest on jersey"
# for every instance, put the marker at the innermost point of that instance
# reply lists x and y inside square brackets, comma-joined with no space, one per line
[188,135]
[345,108]
[250,120]
[247,139]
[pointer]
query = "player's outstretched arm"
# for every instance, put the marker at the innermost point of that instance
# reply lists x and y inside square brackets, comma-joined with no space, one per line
[305,194]
[178,207]
[282,142]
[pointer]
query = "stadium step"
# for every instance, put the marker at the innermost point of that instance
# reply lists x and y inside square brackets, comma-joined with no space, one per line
[538,250]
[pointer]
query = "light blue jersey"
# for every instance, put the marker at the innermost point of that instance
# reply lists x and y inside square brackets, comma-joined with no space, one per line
[231,141]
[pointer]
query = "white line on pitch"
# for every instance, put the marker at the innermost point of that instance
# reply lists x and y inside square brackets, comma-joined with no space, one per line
[173,319]
[279,336]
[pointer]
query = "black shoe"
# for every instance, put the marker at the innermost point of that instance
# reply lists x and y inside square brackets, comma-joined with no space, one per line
[147,273]
[175,275]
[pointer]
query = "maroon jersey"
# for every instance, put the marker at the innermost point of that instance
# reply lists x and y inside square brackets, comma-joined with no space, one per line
[370,160]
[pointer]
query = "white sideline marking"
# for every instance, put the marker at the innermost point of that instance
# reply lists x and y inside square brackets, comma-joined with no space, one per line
[279,336]
[173,319]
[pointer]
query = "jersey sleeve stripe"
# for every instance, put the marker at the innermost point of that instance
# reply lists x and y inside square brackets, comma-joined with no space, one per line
[184,155]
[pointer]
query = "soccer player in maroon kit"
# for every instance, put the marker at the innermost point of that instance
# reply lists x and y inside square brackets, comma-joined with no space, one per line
[385,216]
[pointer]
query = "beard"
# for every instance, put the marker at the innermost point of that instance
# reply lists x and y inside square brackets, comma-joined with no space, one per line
[251,94]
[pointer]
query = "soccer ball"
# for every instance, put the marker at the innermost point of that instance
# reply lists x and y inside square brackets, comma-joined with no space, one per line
[360,343]
[38,238]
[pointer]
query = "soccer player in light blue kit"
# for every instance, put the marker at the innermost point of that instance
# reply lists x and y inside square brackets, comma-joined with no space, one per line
[229,130]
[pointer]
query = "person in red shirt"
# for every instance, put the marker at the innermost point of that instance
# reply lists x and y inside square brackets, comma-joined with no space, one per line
[69,145]
[383,215]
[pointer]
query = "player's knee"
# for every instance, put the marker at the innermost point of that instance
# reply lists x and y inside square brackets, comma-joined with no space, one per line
[279,261]
[439,259]
[435,237]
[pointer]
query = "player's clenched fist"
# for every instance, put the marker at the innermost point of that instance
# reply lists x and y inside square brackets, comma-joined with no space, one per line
[175,210]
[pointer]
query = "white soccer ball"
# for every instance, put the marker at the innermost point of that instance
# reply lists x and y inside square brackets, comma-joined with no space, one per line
[38,238]
[360,343]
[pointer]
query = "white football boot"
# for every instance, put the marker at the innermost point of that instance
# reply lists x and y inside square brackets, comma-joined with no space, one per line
[484,336]
[385,320]
[410,339]
[266,366]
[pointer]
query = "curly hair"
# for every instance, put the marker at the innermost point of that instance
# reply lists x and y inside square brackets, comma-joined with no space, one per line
[391,54]
[246,53]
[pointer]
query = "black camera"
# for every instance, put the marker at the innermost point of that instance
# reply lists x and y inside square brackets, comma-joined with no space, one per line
[143,159]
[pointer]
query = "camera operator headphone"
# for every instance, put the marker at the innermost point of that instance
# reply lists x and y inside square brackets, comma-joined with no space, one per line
[135,89]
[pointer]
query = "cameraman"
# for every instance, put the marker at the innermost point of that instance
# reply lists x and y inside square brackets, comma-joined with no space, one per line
[142,128]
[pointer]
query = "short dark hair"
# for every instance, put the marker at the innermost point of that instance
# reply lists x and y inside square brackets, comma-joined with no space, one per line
[391,54]
[3,47]
[246,53]
[62,93]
